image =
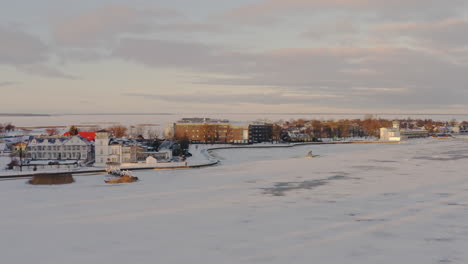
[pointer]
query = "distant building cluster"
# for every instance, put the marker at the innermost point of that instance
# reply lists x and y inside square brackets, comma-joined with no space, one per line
[220,131]
[113,146]
[206,130]
[109,149]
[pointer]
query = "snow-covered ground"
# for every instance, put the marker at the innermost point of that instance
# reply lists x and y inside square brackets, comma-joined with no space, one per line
[399,203]
[4,160]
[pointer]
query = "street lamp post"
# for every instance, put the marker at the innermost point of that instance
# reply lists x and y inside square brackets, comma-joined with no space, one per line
[21,158]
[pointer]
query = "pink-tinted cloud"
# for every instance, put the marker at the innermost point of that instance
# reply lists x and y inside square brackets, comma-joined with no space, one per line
[98,24]
[109,23]
[446,33]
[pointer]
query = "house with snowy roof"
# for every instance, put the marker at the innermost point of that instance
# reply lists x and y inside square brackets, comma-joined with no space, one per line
[391,134]
[60,148]
[115,150]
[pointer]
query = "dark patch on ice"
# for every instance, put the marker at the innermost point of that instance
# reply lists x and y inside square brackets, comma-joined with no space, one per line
[385,161]
[370,220]
[457,204]
[445,261]
[456,152]
[382,234]
[439,239]
[337,177]
[280,188]
[437,158]
[444,194]
[368,168]
[340,173]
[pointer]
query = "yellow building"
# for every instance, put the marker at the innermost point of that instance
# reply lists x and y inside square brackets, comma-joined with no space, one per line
[211,131]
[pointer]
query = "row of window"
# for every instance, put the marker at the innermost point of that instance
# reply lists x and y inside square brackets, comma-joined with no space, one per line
[53,155]
[56,148]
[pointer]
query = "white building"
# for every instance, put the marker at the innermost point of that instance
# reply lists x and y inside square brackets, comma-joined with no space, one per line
[3,146]
[391,134]
[60,148]
[115,150]
[169,131]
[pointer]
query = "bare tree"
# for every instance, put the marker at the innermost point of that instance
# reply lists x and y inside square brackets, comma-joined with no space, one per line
[9,127]
[136,131]
[276,133]
[52,131]
[153,133]
[118,131]
[229,134]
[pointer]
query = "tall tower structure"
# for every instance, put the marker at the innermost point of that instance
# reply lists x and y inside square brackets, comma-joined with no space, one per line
[101,148]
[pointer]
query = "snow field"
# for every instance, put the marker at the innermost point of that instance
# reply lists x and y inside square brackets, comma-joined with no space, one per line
[402,203]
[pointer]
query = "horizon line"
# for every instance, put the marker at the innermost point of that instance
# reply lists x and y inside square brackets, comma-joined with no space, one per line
[229,113]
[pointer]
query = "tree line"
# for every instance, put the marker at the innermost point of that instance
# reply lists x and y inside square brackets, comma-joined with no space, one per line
[369,126]
[6,128]
[120,131]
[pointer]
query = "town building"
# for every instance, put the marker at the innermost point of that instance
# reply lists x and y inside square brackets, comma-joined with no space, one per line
[3,146]
[391,134]
[260,132]
[160,156]
[206,130]
[414,133]
[298,136]
[115,150]
[463,129]
[20,146]
[60,148]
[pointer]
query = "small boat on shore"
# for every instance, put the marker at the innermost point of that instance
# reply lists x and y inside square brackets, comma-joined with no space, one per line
[119,176]
[310,155]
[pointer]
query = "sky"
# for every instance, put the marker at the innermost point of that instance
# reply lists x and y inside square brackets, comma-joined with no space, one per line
[243,56]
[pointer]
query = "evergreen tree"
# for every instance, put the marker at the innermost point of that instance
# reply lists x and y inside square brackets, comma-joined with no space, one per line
[73,131]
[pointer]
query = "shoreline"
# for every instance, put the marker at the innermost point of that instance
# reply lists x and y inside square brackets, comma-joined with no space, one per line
[212,161]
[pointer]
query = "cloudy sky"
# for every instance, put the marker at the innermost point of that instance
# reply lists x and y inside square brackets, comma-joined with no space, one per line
[361,56]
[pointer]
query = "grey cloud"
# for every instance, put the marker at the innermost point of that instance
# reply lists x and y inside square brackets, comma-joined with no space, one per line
[341,27]
[391,76]
[249,98]
[190,27]
[448,33]
[105,25]
[383,9]
[98,25]
[27,53]
[4,84]
[18,48]
[178,54]
[46,71]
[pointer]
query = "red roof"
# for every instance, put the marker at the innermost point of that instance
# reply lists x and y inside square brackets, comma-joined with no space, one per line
[90,136]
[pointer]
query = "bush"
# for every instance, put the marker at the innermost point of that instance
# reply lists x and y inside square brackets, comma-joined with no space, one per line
[12,164]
